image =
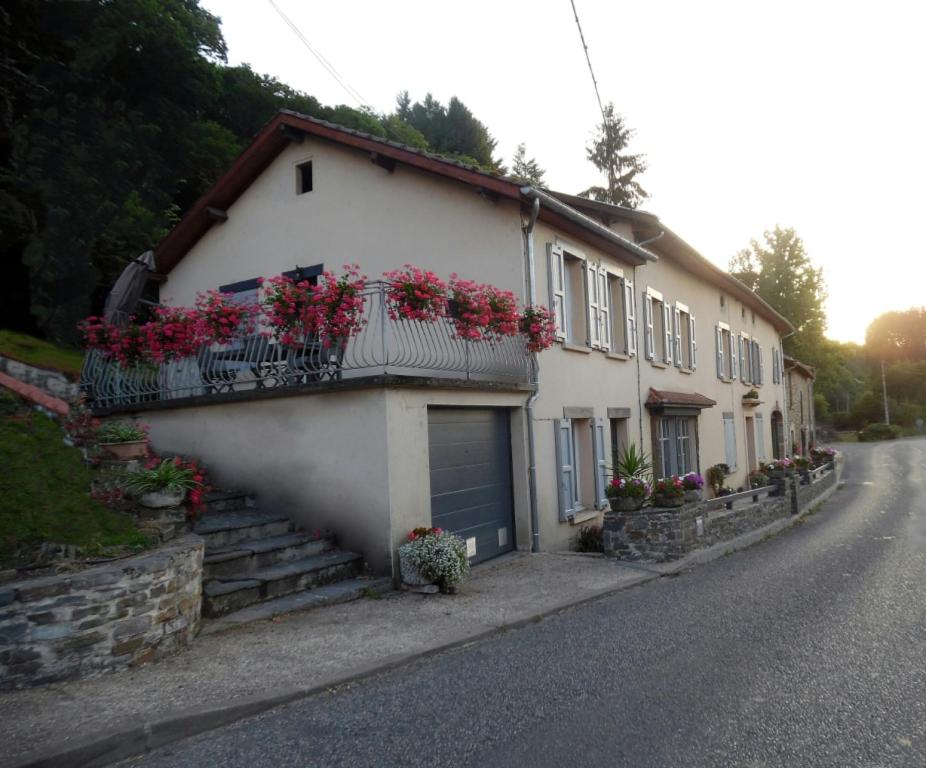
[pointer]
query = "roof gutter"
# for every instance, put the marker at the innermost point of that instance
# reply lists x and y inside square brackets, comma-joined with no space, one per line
[576,217]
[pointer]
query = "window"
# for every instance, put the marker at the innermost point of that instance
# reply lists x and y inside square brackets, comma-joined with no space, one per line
[776,365]
[727,359]
[622,317]
[685,348]
[620,436]
[674,450]
[567,295]
[745,357]
[659,339]
[760,437]
[304,178]
[582,465]
[729,441]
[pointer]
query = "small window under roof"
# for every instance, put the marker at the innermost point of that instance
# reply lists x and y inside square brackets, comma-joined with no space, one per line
[304,178]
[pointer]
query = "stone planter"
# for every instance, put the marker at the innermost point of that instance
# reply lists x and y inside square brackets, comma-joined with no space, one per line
[161,499]
[625,503]
[668,502]
[693,496]
[135,449]
[410,575]
[776,474]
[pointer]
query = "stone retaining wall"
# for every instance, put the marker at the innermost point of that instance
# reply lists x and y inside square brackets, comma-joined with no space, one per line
[103,618]
[53,382]
[657,534]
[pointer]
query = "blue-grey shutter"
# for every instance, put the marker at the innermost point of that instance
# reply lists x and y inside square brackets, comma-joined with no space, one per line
[760,437]
[631,317]
[692,342]
[667,341]
[734,355]
[565,463]
[601,464]
[720,365]
[729,440]
[677,337]
[649,341]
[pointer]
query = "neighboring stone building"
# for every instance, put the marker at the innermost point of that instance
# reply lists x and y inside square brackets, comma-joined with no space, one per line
[411,426]
[799,378]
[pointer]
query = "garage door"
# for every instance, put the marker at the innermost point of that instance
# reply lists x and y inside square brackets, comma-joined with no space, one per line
[470,454]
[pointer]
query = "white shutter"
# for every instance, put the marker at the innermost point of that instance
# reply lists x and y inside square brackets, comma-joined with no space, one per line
[729,440]
[776,366]
[566,471]
[601,464]
[678,337]
[591,289]
[760,437]
[648,346]
[745,372]
[734,356]
[692,343]
[604,310]
[721,368]
[556,268]
[667,342]
[761,364]
[630,316]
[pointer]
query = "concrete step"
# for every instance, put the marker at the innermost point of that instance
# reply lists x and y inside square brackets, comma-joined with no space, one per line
[222,530]
[226,594]
[247,557]
[330,594]
[226,501]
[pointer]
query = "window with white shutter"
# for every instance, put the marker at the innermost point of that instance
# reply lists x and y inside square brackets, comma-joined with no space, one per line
[601,463]
[677,349]
[692,343]
[557,273]
[568,490]
[630,318]
[744,357]
[648,346]
[604,310]
[720,341]
[729,440]
[734,355]
[776,366]
[667,335]
[760,437]
[592,288]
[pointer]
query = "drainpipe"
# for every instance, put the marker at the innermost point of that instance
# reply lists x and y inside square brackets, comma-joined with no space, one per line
[786,416]
[528,230]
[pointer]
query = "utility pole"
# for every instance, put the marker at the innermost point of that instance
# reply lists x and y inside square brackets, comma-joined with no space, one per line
[887,415]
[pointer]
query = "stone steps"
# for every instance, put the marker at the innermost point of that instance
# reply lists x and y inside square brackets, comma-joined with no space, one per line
[222,530]
[248,556]
[330,594]
[231,593]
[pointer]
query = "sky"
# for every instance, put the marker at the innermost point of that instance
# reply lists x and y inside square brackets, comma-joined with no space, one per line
[805,114]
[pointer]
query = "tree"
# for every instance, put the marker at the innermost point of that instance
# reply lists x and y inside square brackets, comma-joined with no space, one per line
[897,336]
[524,170]
[779,270]
[608,154]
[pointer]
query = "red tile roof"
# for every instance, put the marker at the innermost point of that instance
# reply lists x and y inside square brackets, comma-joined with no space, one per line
[661,397]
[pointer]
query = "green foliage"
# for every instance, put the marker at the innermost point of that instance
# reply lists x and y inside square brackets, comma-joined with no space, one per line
[716,475]
[439,557]
[590,538]
[897,336]
[608,154]
[526,170]
[875,432]
[120,432]
[42,354]
[632,463]
[166,477]
[44,493]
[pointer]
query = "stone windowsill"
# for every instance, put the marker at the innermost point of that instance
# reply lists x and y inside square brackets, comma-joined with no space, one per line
[657,364]
[583,516]
[617,356]
[570,347]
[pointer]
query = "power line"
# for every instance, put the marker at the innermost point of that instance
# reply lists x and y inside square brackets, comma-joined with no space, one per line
[589,60]
[329,67]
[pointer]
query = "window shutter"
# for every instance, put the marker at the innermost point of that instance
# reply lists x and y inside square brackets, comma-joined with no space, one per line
[649,347]
[604,309]
[745,373]
[761,364]
[729,440]
[678,337]
[760,437]
[601,464]
[776,366]
[556,269]
[630,314]
[592,286]
[734,356]
[721,369]
[667,341]
[565,468]
[692,343]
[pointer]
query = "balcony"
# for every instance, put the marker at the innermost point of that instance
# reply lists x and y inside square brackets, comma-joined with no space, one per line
[385,349]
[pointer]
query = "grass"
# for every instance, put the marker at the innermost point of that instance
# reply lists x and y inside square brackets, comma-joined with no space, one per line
[45,492]
[43,354]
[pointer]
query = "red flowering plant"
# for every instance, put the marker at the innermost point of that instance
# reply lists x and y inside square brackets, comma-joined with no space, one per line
[504,319]
[469,308]
[422,531]
[175,333]
[223,318]
[185,474]
[415,294]
[335,311]
[125,345]
[669,487]
[285,305]
[539,327]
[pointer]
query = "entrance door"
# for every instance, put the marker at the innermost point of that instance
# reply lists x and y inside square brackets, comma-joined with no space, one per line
[470,472]
[778,435]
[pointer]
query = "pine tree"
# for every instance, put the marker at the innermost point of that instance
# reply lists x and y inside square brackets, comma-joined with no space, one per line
[608,154]
[526,170]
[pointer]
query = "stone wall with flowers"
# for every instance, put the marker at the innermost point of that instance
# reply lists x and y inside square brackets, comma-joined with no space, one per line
[108,617]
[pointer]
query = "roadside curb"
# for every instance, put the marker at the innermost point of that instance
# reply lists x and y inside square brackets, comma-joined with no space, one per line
[134,738]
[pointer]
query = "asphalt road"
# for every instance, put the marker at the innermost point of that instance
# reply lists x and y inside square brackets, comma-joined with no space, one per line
[806,650]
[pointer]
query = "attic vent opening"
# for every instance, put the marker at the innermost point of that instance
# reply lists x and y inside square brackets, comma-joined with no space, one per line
[304,178]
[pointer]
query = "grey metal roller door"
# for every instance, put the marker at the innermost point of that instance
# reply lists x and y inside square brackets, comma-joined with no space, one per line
[470,457]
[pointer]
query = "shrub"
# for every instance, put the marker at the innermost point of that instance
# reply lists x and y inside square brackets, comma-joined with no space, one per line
[757,479]
[627,487]
[878,432]
[669,487]
[632,463]
[590,539]
[693,481]
[438,555]
[121,432]
[716,475]
[170,476]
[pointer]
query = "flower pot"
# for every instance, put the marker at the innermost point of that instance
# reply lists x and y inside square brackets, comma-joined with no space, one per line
[668,502]
[776,474]
[693,495]
[410,574]
[135,449]
[625,503]
[161,499]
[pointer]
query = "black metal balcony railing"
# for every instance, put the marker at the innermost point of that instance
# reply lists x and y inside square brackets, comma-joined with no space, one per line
[384,346]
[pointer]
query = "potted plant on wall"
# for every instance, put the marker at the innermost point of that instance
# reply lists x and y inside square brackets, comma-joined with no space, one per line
[669,492]
[163,485]
[715,477]
[123,440]
[433,556]
[693,483]
[627,494]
